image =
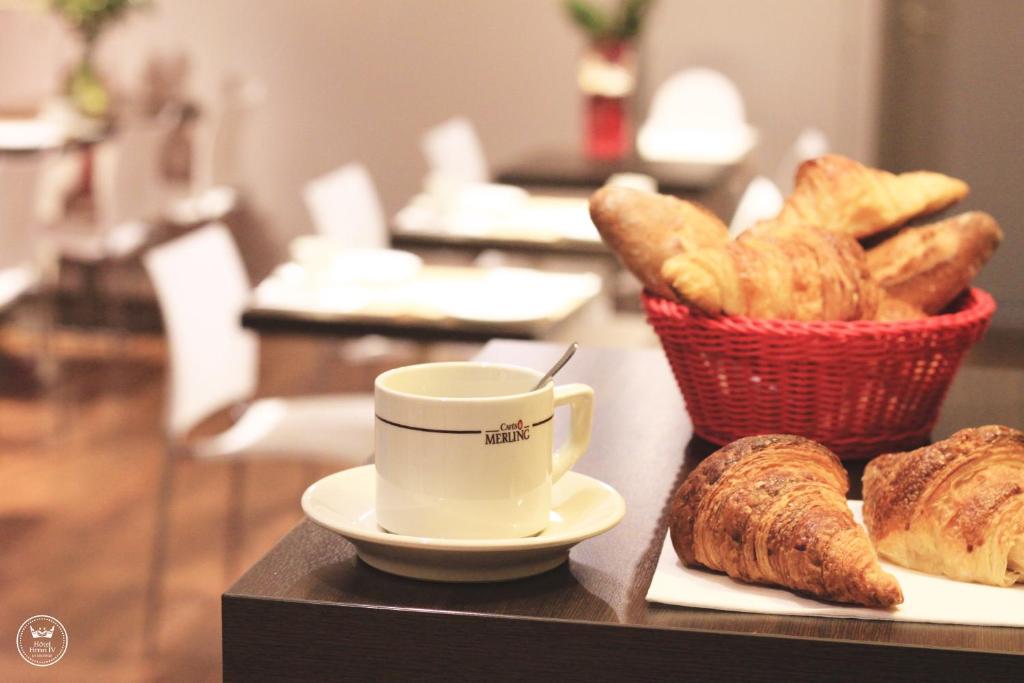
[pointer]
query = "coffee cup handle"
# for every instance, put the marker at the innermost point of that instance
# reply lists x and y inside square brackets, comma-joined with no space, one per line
[580,399]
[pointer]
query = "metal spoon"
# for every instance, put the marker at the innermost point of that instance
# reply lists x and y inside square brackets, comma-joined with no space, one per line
[557,366]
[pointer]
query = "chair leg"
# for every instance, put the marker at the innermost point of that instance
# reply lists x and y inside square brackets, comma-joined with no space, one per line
[234,519]
[158,555]
[45,322]
[46,362]
[117,315]
[91,290]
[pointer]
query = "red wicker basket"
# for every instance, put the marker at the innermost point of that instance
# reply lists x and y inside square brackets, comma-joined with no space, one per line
[861,388]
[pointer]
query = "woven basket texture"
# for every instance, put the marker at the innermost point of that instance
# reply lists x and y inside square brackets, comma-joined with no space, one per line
[861,388]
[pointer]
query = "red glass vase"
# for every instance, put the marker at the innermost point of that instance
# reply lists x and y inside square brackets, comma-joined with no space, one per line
[607,78]
[606,131]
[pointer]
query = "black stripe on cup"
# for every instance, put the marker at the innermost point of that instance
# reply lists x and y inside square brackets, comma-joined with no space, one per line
[427,429]
[450,431]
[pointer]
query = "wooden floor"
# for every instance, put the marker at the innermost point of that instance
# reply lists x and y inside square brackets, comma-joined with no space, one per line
[79,468]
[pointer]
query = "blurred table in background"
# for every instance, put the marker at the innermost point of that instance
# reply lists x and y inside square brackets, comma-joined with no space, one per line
[717,187]
[68,143]
[538,224]
[26,136]
[452,303]
[40,134]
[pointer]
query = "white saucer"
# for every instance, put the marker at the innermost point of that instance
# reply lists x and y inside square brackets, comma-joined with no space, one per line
[343,502]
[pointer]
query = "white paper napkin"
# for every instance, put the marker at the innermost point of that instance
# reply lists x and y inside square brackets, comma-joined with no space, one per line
[927,598]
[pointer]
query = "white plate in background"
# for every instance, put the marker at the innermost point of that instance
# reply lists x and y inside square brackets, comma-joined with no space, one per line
[517,295]
[330,260]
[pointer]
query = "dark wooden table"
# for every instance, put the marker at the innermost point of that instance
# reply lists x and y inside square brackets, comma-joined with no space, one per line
[266,321]
[419,241]
[311,610]
[566,169]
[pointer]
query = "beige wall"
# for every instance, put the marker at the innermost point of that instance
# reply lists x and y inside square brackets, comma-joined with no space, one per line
[955,74]
[361,80]
[33,51]
[797,63]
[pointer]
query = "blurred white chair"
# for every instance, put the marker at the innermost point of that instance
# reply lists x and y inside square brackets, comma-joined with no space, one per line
[216,148]
[240,97]
[126,193]
[696,115]
[26,265]
[761,200]
[21,268]
[811,143]
[345,208]
[202,287]
[344,205]
[453,150]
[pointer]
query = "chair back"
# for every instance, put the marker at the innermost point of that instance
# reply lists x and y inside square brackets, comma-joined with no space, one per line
[453,150]
[760,201]
[811,143]
[344,206]
[699,98]
[202,288]
[127,181]
[19,227]
[219,134]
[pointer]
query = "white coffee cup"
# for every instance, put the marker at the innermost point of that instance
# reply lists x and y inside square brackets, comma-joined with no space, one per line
[464,450]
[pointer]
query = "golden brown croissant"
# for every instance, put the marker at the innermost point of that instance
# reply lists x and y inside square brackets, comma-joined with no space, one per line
[892,309]
[843,196]
[772,510]
[928,266]
[954,508]
[778,272]
[645,229]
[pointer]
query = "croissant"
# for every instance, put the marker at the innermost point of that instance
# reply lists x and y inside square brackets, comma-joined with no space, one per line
[891,309]
[772,510]
[954,508]
[645,229]
[841,195]
[928,266]
[778,272]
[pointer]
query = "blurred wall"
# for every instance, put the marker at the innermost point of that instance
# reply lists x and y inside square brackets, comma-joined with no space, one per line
[798,63]
[954,75]
[34,50]
[362,79]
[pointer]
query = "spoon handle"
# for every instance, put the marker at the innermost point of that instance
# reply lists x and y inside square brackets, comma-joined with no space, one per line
[557,366]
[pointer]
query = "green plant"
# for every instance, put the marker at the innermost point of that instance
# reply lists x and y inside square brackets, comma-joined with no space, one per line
[622,25]
[89,18]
